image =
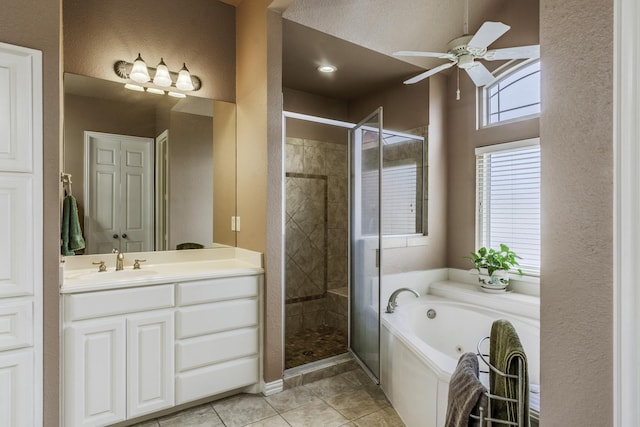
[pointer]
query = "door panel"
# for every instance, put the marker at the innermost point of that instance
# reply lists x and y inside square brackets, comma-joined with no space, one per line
[365,149]
[119,193]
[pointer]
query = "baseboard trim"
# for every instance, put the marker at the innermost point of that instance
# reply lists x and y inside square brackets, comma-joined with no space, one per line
[272,387]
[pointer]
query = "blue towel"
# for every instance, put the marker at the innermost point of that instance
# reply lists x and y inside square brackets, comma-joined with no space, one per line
[72,239]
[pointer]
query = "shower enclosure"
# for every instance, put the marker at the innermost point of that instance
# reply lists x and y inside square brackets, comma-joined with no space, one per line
[324,256]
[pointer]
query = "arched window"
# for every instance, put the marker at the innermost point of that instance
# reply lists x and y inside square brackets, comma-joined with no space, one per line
[514,95]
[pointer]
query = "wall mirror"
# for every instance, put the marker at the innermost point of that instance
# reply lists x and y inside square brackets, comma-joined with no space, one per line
[149,172]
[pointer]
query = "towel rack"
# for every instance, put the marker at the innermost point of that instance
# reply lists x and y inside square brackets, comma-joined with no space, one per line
[66,183]
[485,419]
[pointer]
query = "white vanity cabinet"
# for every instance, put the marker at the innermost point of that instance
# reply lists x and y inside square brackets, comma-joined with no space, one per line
[119,355]
[217,336]
[137,350]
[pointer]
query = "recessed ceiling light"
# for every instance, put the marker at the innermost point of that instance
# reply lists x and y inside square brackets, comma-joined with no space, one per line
[327,69]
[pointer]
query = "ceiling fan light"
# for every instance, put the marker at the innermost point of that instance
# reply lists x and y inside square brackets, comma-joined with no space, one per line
[139,72]
[162,77]
[184,79]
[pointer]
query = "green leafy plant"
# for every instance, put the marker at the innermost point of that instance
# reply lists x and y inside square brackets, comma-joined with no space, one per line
[492,260]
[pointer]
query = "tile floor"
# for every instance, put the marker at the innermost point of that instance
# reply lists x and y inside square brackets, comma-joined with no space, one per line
[348,399]
[310,345]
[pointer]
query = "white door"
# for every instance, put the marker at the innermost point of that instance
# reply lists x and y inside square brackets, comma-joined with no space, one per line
[118,193]
[95,373]
[150,367]
[16,389]
[20,236]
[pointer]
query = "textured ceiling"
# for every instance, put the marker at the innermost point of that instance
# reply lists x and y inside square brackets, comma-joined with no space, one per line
[360,70]
[358,36]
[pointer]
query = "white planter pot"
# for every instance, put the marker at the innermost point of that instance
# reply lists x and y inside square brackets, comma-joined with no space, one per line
[497,282]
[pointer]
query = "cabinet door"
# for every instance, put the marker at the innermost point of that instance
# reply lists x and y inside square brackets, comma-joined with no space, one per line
[17,235]
[150,367]
[94,375]
[20,116]
[16,389]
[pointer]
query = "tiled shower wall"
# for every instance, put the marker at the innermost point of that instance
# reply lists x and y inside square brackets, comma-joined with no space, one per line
[316,270]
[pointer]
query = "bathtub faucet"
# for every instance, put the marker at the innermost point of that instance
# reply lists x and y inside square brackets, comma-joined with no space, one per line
[392,299]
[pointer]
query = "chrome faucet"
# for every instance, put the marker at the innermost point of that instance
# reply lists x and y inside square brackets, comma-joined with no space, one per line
[119,260]
[392,299]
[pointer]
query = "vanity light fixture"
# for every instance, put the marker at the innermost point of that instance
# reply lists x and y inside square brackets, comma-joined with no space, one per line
[184,79]
[327,68]
[139,72]
[137,77]
[162,77]
[131,86]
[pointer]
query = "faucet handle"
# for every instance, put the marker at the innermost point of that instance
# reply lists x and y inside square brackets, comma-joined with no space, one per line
[102,266]
[136,264]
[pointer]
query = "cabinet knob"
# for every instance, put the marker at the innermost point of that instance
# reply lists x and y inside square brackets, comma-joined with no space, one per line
[115,236]
[124,235]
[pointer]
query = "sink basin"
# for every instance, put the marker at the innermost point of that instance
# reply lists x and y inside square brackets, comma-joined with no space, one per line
[110,275]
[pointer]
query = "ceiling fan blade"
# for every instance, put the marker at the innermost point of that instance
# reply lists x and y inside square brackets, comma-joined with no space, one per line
[480,75]
[428,73]
[487,34]
[424,54]
[520,52]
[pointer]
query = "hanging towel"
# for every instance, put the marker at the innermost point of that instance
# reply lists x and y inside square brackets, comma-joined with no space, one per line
[504,352]
[466,392]
[71,233]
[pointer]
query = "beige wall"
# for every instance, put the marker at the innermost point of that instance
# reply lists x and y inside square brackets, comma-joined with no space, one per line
[21,25]
[224,172]
[576,131]
[199,32]
[98,115]
[258,145]
[463,137]
[190,179]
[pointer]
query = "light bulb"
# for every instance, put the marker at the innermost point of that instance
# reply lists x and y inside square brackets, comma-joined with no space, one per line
[139,72]
[162,77]
[184,79]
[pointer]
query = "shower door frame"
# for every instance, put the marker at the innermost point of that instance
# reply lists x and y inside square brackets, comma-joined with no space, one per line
[351,127]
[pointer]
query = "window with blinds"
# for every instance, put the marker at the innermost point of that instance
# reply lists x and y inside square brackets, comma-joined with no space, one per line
[508,200]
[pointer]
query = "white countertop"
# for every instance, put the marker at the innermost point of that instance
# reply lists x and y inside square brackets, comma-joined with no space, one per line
[80,275]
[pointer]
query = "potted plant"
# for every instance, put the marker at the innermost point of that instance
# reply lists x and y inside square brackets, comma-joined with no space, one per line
[493,267]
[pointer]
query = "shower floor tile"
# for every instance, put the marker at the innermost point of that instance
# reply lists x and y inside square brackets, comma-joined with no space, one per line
[312,345]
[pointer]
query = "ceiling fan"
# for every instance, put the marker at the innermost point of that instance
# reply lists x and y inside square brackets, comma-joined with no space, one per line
[465,50]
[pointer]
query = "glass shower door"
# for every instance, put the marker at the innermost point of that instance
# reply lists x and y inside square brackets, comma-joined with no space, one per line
[365,151]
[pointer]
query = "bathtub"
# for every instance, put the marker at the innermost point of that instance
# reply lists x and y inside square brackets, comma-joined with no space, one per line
[418,354]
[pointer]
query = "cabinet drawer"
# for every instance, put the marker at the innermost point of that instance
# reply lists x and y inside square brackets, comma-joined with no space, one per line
[216,317]
[119,301]
[210,349]
[16,325]
[217,290]
[216,379]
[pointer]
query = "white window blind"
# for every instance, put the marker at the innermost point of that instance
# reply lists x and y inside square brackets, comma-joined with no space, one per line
[399,198]
[508,200]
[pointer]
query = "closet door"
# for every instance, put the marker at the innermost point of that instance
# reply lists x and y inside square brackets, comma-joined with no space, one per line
[118,193]
[21,236]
